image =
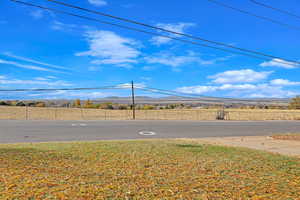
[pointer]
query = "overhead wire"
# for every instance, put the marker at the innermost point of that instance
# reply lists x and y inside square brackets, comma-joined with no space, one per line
[255,15]
[276,9]
[279,59]
[60,89]
[193,96]
[186,97]
[139,30]
[169,31]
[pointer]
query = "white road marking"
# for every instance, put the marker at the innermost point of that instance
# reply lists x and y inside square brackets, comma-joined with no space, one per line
[79,125]
[147,133]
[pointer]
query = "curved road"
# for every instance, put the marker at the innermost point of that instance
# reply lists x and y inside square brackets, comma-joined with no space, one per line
[15,131]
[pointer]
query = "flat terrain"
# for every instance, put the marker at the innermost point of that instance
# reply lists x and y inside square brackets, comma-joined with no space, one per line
[15,131]
[36,113]
[282,145]
[151,169]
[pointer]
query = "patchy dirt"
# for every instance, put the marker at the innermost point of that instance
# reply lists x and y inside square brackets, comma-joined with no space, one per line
[295,137]
[265,143]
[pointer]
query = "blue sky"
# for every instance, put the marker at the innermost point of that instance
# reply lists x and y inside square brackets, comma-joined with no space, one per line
[40,49]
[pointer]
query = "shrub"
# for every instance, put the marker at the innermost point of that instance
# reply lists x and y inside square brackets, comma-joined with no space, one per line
[4,103]
[295,103]
[20,103]
[77,103]
[40,104]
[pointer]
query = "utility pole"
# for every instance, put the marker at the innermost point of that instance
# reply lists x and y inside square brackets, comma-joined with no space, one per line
[133,100]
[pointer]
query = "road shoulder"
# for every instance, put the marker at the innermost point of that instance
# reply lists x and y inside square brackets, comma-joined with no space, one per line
[265,143]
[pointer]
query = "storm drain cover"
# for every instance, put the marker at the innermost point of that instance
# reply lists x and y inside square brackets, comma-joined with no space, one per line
[147,133]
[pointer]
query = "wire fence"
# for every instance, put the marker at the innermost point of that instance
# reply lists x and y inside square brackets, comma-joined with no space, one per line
[35,113]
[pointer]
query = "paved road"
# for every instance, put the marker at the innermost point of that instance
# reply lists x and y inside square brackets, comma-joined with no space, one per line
[42,131]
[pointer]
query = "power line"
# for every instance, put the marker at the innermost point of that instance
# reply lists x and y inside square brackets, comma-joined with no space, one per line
[61,89]
[146,32]
[281,60]
[191,96]
[255,15]
[169,31]
[276,9]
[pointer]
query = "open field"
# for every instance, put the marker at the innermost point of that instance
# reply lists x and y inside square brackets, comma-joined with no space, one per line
[34,113]
[153,169]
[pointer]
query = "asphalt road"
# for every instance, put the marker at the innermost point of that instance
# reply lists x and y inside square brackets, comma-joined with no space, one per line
[15,131]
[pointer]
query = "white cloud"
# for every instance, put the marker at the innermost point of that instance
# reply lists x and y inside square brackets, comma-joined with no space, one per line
[94,69]
[175,61]
[243,83]
[279,63]
[240,76]
[41,79]
[284,82]
[146,78]
[34,61]
[177,27]
[36,81]
[107,47]
[32,67]
[148,68]
[67,95]
[98,2]
[128,85]
[199,89]
[241,90]
[57,25]
[37,14]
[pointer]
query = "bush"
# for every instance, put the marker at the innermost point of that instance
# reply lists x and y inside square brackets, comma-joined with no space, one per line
[123,107]
[148,107]
[77,103]
[4,103]
[40,104]
[107,105]
[88,104]
[20,103]
[295,103]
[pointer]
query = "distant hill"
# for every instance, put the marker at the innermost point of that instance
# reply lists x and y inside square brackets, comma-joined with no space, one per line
[178,100]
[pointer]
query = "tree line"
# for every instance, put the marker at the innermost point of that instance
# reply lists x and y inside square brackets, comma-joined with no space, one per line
[293,104]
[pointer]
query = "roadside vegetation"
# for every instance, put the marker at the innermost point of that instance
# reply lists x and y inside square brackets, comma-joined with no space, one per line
[288,136]
[294,104]
[152,169]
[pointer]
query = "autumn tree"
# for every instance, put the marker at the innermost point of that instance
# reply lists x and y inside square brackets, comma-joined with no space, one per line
[88,104]
[40,104]
[295,103]
[77,103]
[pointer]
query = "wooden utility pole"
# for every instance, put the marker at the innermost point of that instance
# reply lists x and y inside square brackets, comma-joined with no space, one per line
[133,100]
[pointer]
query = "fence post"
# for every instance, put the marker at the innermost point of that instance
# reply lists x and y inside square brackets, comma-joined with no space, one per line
[81,112]
[26,110]
[55,113]
[133,100]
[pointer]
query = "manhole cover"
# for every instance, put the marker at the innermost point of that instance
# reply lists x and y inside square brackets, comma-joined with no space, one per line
[147,133]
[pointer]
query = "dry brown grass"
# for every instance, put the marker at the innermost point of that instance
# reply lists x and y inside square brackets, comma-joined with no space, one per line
[289,136]
[32,113]
[152,169]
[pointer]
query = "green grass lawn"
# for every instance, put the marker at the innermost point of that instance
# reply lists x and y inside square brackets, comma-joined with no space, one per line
[154,169]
